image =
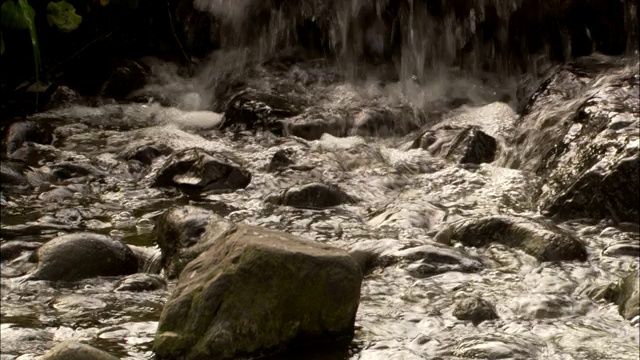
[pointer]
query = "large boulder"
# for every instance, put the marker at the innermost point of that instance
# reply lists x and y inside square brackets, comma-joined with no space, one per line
[587,115]
[195,170]
[544,241]
[256,291]
[79,256]
[71,350]
[180,235]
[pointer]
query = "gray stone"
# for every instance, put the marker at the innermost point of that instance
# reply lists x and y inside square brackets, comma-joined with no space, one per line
[544,241]
[463,145]
[196,170]
[79,256]
[71,350]
[258,290]
[314,195]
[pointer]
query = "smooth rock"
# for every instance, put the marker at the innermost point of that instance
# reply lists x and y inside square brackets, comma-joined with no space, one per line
[259,109]
[72,350]
[544,241]
[79,256]
[314,195]
[196,170]
[256,291]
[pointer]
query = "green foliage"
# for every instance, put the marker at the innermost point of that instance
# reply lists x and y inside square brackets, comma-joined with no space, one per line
[20,15]
[63,15]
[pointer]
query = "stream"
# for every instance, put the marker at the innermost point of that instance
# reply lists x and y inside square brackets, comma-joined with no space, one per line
[85,179]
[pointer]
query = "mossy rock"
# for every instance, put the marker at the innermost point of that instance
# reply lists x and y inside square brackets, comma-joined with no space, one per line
[257,291]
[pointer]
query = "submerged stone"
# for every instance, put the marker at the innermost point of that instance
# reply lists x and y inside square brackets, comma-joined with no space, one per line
[314,195]
[141,282]
[314,123]
[199,171]
[468,145]
[544,241]
[71,350]
[280,161]
[475,309]
[256,291]
[80,256]
[259,109]
[386,121]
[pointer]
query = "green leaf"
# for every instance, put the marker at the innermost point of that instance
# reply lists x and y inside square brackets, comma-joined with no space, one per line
[17,15]
[63,15]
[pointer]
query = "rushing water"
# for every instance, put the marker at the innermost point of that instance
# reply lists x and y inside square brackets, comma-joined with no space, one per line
[543,310]
[403,195]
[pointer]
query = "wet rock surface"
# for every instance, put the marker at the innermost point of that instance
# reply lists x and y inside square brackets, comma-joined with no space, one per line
[197,170]
[628,299]
[427,231]
[475,309]
[79,256]
[591,144]
[276,287]
[315,196]
[181,235]
[465,146]
[544,241]
[76,351]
